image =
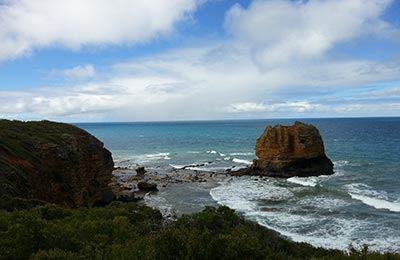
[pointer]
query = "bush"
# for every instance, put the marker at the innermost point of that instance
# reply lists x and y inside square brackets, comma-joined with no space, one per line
[132,231]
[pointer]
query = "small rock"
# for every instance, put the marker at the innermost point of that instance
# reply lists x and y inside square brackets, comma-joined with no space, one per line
[149,186]
[140,171]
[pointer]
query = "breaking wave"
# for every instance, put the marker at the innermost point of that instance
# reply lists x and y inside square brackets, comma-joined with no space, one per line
[236,160]
[304,181]
[243,154]
[314,216]
[373,198]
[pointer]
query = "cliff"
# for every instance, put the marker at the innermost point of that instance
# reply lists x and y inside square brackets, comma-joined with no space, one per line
[286,151]
[52,162]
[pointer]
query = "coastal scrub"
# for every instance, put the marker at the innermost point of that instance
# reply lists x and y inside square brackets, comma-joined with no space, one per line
[132,231]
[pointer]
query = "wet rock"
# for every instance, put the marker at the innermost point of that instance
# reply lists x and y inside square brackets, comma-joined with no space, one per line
[140,171]
[125,196]
[147,186]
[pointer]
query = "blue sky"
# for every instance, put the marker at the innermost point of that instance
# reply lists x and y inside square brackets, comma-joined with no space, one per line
[198,59]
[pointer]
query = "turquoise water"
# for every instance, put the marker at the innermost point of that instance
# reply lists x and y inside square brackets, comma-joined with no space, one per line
[359,204]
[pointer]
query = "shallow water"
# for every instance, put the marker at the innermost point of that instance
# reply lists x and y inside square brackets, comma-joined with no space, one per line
[359,204]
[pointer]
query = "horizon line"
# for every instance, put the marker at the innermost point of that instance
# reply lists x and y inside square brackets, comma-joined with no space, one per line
[203,120]
[220,120]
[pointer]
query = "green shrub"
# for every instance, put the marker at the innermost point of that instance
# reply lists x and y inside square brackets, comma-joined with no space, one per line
[56,254]
[132,231]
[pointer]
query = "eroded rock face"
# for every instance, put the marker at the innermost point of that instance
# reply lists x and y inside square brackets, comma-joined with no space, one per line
[53,162]
[286,151]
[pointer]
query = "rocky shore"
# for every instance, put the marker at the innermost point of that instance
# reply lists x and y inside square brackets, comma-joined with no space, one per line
[48,162]
[133,184]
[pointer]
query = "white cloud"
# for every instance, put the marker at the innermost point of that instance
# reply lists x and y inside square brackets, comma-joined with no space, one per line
[306,108]
[386,93]
[280,32]
[61,102]
[71,104]
[246,107]
[292,107]
[367,109]
[213,82]
[221,80]
[26,25]
[79,72]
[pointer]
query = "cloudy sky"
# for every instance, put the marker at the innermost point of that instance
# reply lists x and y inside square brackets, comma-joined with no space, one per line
[145,60]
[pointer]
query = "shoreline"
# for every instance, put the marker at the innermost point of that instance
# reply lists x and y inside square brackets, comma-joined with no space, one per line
[184,191]
[178,191]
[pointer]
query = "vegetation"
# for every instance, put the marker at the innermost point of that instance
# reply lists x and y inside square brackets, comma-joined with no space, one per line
[19,153]
[132,231]
[17,137]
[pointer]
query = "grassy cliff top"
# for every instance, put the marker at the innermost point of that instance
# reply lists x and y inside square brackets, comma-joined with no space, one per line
[17,137]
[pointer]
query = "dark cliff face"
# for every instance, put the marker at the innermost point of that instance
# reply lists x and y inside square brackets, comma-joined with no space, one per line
[286,151]
[53,162]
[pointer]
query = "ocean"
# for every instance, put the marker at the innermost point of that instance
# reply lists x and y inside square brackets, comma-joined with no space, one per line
[359,204]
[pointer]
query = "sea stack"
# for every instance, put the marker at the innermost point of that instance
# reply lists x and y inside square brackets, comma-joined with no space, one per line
[287,151]
[48,162]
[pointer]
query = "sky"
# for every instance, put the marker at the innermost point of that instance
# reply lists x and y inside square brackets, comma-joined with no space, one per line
[157,60]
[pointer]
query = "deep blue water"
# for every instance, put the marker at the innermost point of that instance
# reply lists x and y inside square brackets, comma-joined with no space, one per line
[359,204]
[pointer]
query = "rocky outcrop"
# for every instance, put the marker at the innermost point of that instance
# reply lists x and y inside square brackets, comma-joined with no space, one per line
[53,162]
[147,186]
[286,151]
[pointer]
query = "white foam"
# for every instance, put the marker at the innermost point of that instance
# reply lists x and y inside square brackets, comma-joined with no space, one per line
[158,156]
[160,203]
[243,193]
[328,232]
[212,152]
[236,160]
[323,202]
[134,160]
[341,163]
[205,169]
[227,158]
[177,166]
[373,198]
[222,154]
[389,244]
[304,181]
[272,203]
[244,154]
[377,203]
[334,233]
[243,196]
